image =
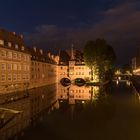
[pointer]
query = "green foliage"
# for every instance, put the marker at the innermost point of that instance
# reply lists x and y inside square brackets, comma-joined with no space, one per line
[100,55]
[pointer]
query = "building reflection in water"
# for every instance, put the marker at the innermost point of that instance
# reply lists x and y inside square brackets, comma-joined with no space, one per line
[74,96]
[20,110]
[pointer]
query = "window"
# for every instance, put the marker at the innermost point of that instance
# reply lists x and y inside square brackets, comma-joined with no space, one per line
[14,77]
[18,77]
[9,77]
[3,53]
[16,46]
[1,42]
[9,44]
[9,66]
[3,66]
[19,67]
[24,76]
[27,76]
[3,77]
[22,48]
[24,67]
[19,56]
[14,66]
[14,55]
[24,57]
[9,55]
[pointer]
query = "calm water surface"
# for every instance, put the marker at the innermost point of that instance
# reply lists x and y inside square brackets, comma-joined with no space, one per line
[111,113]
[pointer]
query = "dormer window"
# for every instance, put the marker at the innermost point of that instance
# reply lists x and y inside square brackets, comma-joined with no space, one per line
[1,42]
[16,46]
[9,44]
[22,48]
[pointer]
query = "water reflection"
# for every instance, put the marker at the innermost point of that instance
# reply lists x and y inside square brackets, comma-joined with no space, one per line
[20,110]
[78,113]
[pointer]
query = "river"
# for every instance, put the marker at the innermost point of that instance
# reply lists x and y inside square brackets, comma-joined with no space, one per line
[81,113]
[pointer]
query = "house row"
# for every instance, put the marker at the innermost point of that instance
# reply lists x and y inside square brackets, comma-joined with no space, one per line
[22,67]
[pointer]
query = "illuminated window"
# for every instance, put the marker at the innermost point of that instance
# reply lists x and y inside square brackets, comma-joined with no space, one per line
[24,67]
[9,44]
[14,55]
[3,53]
[19,67]
[19,56]
[3,77]
[16,46]
[9,77]
[14,66]
[3,66]
[14,77]
[9,66]
[18,77]
[1,42]
[24,57]
[22,48]
[24,76]
[9,55]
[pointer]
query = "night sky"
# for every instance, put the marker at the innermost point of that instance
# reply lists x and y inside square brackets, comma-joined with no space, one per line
[57,24]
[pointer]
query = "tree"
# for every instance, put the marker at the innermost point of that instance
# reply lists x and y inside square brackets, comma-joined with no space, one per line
[89,55]
[100,55]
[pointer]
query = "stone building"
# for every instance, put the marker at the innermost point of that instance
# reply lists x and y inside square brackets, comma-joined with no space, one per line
[15,62]
[43,68]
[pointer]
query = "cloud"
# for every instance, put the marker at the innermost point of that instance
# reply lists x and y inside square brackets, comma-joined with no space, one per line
[120,25]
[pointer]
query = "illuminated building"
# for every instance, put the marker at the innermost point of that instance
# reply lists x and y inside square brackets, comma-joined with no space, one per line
[14,62]
[75,68]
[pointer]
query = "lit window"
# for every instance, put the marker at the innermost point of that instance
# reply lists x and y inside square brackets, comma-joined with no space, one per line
[24,57]
[9,77]
[9,66]
[16,46]
[22,48]
[9,55]
[1,42]
[19,56]
[14,55]
[18,77]
[3,53]
[14,66]
[3,66]
[9,44]
[19,67]
[24,67]
[24,76]
[3,77]
[14,77]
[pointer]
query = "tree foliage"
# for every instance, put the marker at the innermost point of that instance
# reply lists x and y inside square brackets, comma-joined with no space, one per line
[99,54]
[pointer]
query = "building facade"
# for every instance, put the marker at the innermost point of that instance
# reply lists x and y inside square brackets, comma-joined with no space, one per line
[15,62]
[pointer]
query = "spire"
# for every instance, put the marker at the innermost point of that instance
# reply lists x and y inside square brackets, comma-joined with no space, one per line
[72,53]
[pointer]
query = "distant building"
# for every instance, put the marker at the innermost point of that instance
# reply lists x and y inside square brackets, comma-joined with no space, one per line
[43,68]
[136,63]
[75,67]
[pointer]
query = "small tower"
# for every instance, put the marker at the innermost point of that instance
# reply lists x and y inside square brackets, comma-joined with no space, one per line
[72,53]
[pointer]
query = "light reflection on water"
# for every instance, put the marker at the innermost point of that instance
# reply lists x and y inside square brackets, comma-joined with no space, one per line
[86,112]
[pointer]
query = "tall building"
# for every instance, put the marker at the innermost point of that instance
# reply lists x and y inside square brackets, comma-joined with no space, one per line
[15,62]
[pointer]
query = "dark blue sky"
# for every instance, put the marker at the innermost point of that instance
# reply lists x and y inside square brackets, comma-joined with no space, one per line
[56,24]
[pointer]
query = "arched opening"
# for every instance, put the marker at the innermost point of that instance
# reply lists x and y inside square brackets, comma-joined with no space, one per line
[65,81]
[80,82]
